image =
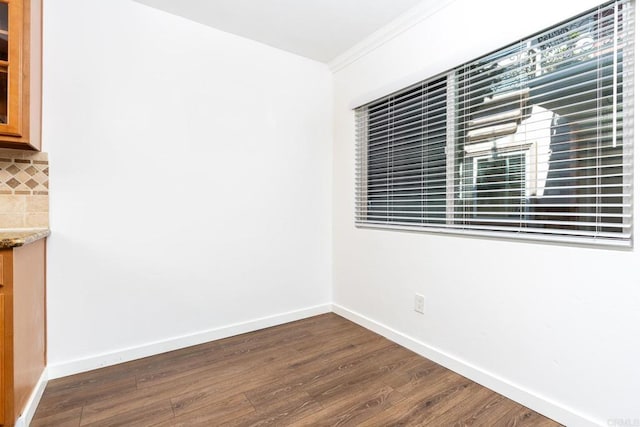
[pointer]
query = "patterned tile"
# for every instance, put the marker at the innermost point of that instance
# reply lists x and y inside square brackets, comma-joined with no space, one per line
[24,175]
[20,173]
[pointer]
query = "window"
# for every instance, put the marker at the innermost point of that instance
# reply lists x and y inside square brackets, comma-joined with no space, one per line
[531,141]
[406,160]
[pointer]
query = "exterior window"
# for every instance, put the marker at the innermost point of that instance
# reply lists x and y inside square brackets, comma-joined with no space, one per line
[531,141]
[405,156]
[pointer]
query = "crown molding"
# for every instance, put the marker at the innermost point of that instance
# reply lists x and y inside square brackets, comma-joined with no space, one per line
[404,22]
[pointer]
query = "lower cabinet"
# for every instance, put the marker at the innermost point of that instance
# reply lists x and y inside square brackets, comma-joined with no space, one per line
[22,326]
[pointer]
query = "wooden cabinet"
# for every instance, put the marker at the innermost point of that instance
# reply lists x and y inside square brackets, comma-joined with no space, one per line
[22,326]
[20,73]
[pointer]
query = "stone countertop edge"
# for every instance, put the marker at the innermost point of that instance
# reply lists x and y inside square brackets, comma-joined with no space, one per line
[16,237]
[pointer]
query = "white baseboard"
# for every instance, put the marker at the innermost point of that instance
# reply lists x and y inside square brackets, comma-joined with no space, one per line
[547,407]
[175,343]
[29,411]
[544,406]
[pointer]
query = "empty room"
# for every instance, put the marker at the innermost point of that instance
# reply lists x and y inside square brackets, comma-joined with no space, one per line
[318,213]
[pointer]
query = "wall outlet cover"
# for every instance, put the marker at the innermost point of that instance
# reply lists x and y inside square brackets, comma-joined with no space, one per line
[418,303]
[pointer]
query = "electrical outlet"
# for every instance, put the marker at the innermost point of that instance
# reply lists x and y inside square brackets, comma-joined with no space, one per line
[418,303]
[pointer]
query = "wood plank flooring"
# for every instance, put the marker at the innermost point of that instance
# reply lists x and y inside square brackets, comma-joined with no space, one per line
[321,371]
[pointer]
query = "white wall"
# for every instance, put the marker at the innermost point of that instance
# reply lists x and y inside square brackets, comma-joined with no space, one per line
[190,182]
[554,326]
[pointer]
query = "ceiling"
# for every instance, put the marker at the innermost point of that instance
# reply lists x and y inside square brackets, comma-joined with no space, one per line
[316,29]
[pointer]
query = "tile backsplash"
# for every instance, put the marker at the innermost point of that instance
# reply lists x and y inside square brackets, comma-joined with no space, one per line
[24,189]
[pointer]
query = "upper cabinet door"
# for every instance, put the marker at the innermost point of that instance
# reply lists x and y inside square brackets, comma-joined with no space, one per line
[11,26]
[20,73]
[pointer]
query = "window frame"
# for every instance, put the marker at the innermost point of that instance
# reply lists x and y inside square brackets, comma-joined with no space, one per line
[453,223]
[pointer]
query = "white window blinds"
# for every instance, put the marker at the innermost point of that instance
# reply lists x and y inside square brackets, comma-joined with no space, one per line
[405,163]
[531,141]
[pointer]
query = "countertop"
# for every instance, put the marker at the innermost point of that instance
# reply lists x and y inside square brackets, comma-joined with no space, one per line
[14,237]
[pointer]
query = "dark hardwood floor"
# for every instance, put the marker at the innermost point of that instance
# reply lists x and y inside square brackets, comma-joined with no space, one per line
[320,371]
